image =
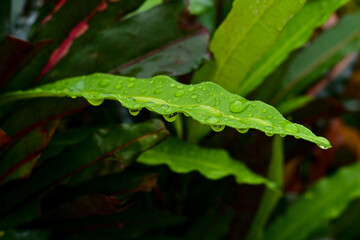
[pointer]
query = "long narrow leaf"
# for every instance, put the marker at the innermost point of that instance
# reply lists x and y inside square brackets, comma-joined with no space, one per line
[296,33]
[183,157]
[324,201]
[320,56]
[206,102]
[250,29]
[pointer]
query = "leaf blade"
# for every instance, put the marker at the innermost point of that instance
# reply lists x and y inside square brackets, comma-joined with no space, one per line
[322,54]
[250,29]
[295,34]
[324,201]
[214,164]
[206,102]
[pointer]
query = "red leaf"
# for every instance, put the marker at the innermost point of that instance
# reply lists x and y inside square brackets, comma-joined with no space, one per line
[4,138]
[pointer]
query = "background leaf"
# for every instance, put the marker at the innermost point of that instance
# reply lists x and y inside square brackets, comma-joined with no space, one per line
[247,33]
[324,201]
[321,55]
[296,32]
[182,157]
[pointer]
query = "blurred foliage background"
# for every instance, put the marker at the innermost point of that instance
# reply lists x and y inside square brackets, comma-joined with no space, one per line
[69,170]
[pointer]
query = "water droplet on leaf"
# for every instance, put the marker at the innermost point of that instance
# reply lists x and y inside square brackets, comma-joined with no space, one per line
[212,120]
[192,88]
[194,96]
[217,128]
[170,117]
[242,130]
[179,93]
[237,107]
[104,82]
[118,86]
[269,134]
[134,112]
[131,84]
[158,91]
[217,101]
[291,127]
[95,102]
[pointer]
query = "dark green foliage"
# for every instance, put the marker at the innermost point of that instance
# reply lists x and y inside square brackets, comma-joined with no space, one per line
[84,153]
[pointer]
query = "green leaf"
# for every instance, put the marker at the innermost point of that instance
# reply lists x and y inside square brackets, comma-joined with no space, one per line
[214,164]
[206,102]
[324,201]
[289,105]
[295,34]
[248,32]
[315,60]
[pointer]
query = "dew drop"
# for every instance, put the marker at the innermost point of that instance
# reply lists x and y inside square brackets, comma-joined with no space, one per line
[179,93]
[322,146]
[217,101]
[73,96]
[217,128]
[302,1]
[242,130]
[282,135]
[250,115]
[104,82]
[269,134]
[134,112]
[237,107]
[170,117]
[164,107]
[194,96]
[264,110]
[118,86]
[158,91]
[212,120]
[296,136]
[291,127]
[143,91]
[131,84]
[254,104]
[95,102]
[192,88]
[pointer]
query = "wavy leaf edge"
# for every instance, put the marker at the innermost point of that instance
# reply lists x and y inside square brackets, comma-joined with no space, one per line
[206,102]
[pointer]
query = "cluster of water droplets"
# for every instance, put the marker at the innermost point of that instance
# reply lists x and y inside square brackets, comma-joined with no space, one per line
[240,109]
